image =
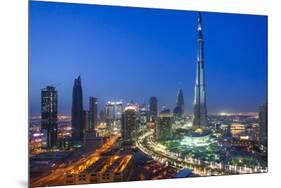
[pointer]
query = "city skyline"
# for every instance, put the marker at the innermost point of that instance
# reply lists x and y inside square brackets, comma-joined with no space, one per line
[133,141]
[143,54]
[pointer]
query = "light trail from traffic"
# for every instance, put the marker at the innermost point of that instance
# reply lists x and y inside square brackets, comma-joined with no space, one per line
[56,177]
[202,168]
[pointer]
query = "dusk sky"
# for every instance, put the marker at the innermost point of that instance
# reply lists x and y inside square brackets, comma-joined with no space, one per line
[134,53]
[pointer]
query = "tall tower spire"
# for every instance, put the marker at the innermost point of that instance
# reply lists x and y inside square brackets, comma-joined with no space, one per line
[199,22]
[199,104]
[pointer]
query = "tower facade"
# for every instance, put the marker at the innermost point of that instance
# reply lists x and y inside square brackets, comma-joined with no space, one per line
[49,114]
[153,109]
[199,104]
[129,125]
[179,109]
[164,125]
[93,113]
[77,110]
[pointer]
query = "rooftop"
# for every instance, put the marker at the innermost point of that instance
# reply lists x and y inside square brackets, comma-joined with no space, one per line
[115,163]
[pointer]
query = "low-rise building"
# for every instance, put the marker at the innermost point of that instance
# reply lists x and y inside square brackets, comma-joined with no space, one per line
[107,169]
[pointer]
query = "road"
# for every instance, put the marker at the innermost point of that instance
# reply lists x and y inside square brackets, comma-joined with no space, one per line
[56,177]
[203,168]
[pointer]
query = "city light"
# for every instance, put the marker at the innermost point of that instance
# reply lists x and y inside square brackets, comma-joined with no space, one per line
[83,135]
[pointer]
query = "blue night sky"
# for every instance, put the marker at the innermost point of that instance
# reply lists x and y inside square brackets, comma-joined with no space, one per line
[134,53]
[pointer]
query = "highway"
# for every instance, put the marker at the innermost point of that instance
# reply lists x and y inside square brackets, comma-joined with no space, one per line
[203,168]
[56,177]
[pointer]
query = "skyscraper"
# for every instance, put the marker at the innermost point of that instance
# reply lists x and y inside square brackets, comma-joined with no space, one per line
[113,114]
[129,124]
[93,113]
[49,114]
[153,109]
[199,104]
[143,118]
[113,110]
[263,129]
[77,110]
[179,109]
[164,125]
[109,111]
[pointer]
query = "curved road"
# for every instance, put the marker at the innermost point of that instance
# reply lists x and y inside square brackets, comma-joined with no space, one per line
[56,177]
[146,144]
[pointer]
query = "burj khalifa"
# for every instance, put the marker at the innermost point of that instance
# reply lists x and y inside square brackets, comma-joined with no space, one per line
[199,105]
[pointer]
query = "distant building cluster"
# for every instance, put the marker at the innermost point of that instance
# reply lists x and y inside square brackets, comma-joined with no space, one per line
[129,120]
[49,115]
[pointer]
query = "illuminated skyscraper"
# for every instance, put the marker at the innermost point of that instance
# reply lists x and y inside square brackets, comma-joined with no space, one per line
[143,118]
[113,114]
[102,116]
[129,124]
[153,109]
[77,111]
[93,113]
[113,110]
[49,114]
[164,125]
[199,104]
[179,109]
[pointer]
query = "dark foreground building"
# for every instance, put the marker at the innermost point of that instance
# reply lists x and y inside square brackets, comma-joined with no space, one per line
[179,109]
